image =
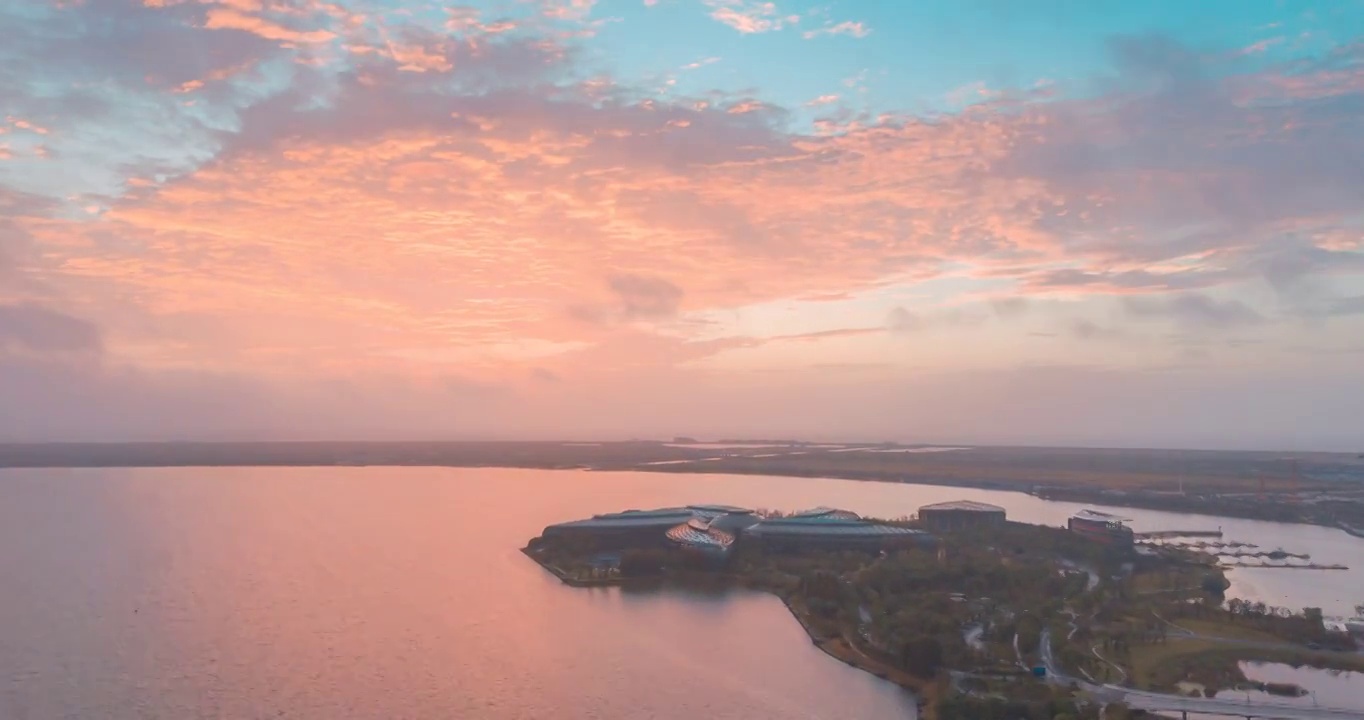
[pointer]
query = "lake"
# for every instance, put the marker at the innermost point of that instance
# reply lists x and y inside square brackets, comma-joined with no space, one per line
[399,593]
[368,593]
[1328,688]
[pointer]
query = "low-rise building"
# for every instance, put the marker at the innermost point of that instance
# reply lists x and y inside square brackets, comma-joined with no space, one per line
[961,515]
[717,529]
[1102,527]
[631,528]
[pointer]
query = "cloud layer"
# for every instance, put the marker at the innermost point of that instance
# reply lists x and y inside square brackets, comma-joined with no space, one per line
[462,204]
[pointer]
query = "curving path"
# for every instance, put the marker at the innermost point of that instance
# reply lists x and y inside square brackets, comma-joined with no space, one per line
[1110,663]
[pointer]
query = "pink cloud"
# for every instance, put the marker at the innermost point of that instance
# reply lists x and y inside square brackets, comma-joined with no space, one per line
[501,213]
[701,63]
[468,19]
[1261,46]
[418,57]
[750,17]
[289,223]
[26,125]
[567,9]
[221,18]
[744,23]
[785,216]
[746,106]
[849,28]
[972,92]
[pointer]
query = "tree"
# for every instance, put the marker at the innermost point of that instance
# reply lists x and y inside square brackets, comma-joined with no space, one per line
[1117,711]
[922,655]
[1029,633]
[1215,584]
[823,585]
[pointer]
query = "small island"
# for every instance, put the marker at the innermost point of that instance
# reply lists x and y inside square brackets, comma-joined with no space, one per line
[980,617]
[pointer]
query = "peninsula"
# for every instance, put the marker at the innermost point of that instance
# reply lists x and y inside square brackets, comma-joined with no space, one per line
[980,617]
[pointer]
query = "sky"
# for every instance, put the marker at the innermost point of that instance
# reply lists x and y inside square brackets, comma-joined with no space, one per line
[1060,222]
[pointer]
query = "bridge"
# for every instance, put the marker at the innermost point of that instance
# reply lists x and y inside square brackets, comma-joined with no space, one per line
[1255,710]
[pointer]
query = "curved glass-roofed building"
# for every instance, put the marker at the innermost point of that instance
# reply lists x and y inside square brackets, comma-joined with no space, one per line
[651,527]
[829,529]
[631,528]
[700,534]
[719,510]
[826,513]
[718,528]
[735,523]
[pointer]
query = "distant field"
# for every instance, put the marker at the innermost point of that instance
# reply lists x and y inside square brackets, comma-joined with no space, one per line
[1198,471]
[1115,469]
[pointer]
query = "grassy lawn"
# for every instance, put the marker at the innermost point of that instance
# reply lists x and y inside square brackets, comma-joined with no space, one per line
[1150,664]
[1232,630]
[1187,581]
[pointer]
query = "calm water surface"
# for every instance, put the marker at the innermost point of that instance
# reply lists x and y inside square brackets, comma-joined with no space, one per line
[368,593]
[1329,688]
[399,593]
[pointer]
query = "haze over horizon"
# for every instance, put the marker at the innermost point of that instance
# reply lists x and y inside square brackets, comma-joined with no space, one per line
[1096,224]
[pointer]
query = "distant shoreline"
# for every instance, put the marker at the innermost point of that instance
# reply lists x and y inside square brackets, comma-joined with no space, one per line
[1250,485]
[1215,506]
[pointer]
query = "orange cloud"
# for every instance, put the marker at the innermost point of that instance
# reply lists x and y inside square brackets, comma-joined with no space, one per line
[746,106]
[577,228]
[415,58]
[21,124]
[400,205]
[467,19]
[567,9]
[487,234]
[224,18]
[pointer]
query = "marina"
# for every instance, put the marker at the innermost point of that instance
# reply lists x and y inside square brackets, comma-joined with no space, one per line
[1267,566]
[1163,534]
[1232,554]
